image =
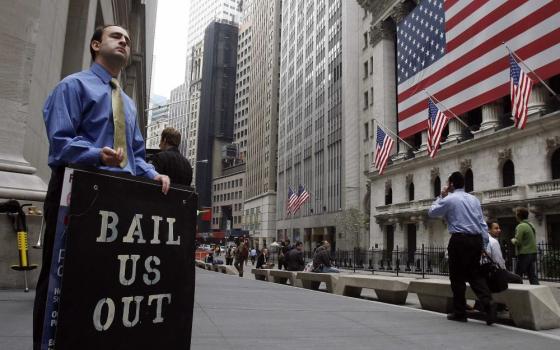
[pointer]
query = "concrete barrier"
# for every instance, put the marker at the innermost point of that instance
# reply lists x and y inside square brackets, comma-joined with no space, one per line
[530,307]
[228,269]
[283,277]
[388,289]
[261,274]
[312,280]
[200,263]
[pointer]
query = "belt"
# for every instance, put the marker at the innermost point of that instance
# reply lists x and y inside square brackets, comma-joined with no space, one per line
[465,234]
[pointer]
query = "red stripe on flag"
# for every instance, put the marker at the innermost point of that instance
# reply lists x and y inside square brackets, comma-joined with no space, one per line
[464,13]
[449,3]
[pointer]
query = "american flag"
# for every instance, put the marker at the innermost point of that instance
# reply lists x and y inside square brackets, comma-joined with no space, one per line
[303,195]
[292,199]
[520,87]
[453,48]
[436,123]
[383,146]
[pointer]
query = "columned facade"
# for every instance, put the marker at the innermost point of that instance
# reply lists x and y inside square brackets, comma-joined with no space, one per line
[504,167]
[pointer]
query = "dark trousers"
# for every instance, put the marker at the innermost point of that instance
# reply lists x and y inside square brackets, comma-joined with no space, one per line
[464,266]
[526,265]
[50,208]
[239,266]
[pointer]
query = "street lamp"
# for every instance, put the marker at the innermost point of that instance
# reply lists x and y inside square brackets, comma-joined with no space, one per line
[203,161]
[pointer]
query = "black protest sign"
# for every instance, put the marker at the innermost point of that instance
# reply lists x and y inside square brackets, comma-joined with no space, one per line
[128,279]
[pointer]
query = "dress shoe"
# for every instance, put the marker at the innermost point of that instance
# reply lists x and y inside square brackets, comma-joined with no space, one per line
[491,313]
[456,317]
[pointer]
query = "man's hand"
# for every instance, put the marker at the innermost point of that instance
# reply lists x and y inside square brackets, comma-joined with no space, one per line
[110,157]
[444,191]
[164,179]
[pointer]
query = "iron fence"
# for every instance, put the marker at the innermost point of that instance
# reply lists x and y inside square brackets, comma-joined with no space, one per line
[433,260]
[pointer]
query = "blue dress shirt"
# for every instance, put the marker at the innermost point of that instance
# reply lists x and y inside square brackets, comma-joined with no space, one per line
[463,214]
[79,121]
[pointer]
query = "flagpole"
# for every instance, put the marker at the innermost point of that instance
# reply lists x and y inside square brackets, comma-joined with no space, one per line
[532,71]
[447,109]
[392,133]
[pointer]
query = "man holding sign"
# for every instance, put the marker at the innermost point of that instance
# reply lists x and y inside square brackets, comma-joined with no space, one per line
[90,121]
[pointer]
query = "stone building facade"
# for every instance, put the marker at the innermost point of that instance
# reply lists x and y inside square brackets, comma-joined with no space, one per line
[319,118]
[504,167]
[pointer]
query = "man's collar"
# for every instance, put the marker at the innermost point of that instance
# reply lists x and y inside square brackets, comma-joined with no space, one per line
[459,190]
[101,72]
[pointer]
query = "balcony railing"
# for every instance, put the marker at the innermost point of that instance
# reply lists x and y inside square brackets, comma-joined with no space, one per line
[512,193]
[545,187]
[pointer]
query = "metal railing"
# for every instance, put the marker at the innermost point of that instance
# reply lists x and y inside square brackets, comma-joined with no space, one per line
[433,260]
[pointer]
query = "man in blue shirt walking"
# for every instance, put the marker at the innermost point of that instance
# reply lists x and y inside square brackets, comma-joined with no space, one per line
[90,121]
[469,238]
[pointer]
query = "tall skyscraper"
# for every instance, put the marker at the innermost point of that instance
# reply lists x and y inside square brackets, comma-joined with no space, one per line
[201,14]
[178,113]
[193,103]
[319,119]
[217,98]
[259,111]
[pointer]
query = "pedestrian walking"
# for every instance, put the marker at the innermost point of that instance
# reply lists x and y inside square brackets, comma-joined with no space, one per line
[229,255]
[90,121]
[469,239]
[525,243]
[240,257]
[253,255]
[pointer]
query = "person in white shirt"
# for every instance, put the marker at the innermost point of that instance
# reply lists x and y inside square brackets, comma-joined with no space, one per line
[494,251]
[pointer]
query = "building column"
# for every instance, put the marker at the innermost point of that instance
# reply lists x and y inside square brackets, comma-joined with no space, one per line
[18,179]
[537,100]
[424,144]
[455,130]
[491,113]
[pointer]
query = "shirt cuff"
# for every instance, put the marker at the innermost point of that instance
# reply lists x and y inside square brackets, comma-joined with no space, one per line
[92,157]
[151,173]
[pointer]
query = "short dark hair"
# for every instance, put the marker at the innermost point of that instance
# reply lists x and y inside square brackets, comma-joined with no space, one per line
[98,34]
[489,223]
[522,213]
[171,136]
[457,179]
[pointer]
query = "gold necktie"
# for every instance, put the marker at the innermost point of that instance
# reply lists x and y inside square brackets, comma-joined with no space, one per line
[119,121]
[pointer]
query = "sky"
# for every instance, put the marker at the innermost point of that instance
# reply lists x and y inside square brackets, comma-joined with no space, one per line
[170,46]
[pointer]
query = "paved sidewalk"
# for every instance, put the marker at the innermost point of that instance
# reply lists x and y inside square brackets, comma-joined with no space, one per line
[239,313]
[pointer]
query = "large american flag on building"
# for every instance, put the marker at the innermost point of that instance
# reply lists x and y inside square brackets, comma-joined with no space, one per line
[453,49]
[520,90]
